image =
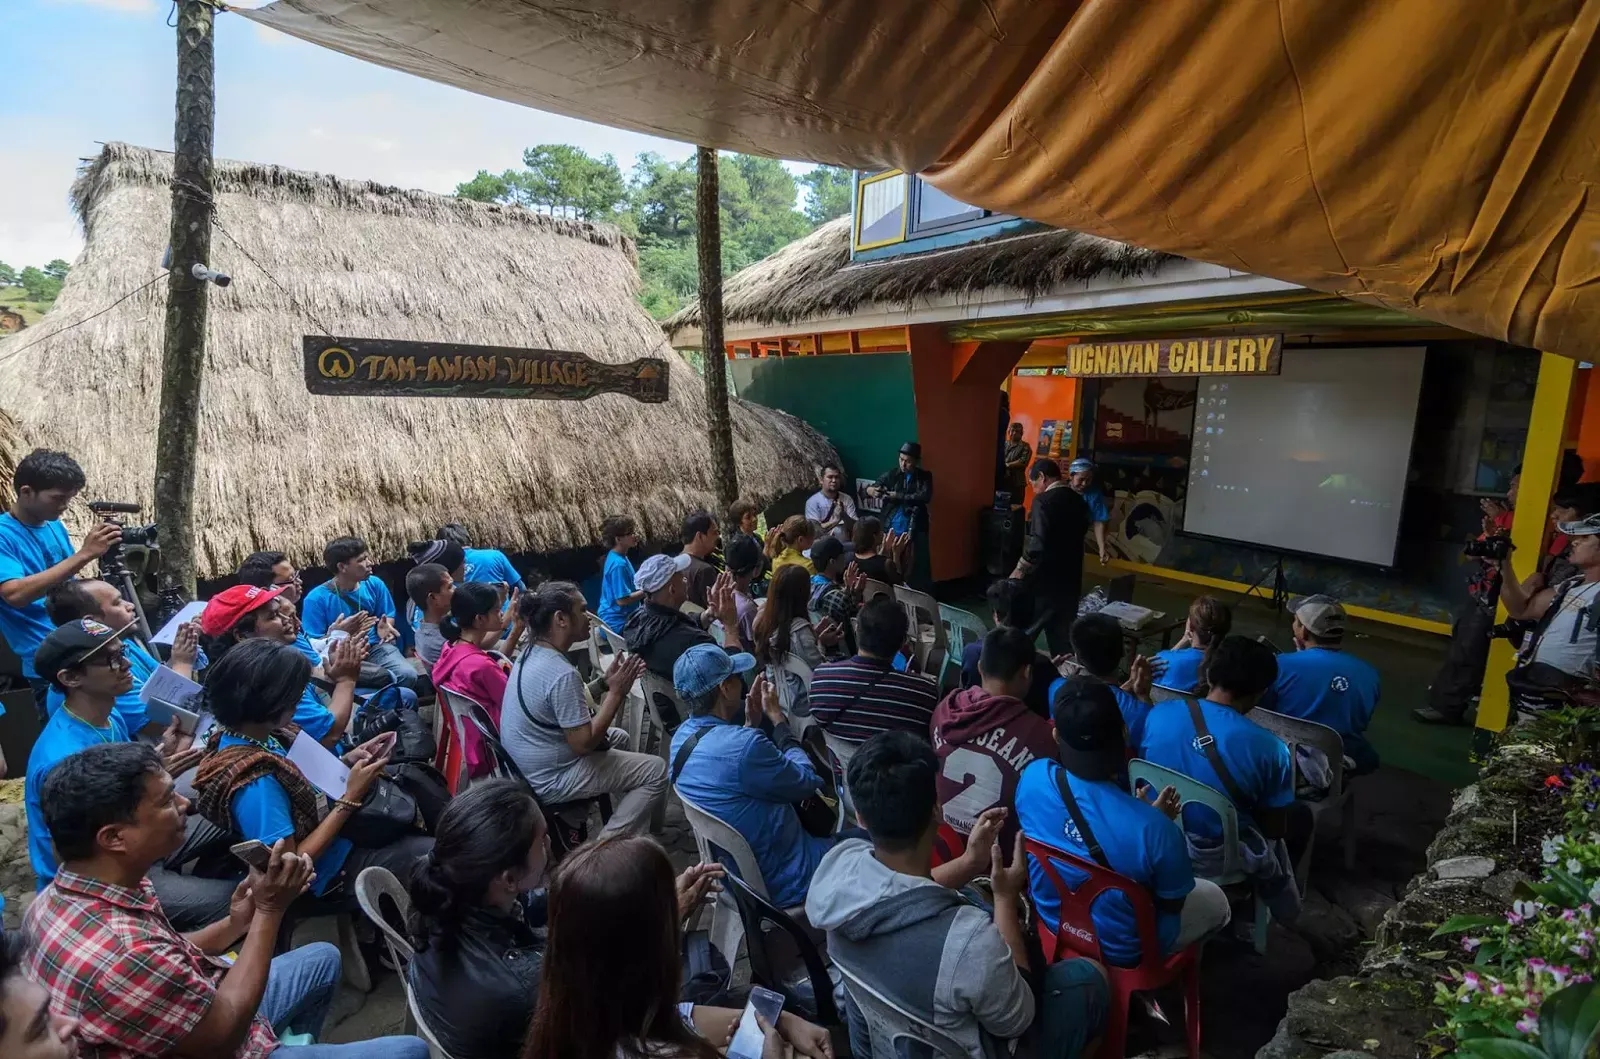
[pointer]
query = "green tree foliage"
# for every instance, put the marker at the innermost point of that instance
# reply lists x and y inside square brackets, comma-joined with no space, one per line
[57,269]
[8,275]
[39,286]
[654,204]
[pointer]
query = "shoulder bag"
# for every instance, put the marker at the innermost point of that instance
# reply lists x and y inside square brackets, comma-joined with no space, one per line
[818,811]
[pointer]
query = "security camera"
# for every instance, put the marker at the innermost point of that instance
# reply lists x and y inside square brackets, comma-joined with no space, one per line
[210,275]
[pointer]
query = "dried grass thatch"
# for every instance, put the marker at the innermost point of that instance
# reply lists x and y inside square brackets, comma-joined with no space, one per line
[813,277]
[281,468]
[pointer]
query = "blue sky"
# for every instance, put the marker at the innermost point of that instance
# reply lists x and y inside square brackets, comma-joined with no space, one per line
[81,72]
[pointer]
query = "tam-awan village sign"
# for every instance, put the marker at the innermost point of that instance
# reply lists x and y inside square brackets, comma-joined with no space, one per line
[1215,355]
[378,367]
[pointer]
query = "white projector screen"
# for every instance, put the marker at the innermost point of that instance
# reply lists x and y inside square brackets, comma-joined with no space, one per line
[1313,460]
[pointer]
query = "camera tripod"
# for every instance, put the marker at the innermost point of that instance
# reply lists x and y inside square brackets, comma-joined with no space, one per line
[1279,599]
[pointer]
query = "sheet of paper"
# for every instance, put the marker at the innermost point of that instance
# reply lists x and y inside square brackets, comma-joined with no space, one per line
[166,686]
[162,713]
[319,765]
[169,631]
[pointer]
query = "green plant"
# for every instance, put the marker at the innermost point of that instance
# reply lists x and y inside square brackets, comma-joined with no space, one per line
[1572,731]
[1566,1027]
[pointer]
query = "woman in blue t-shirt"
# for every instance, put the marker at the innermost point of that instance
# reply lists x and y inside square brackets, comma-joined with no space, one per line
[619,598]
[247,784]
[1183,667]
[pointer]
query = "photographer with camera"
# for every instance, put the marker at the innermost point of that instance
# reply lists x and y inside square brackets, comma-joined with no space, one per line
[1566,616]
[36,555]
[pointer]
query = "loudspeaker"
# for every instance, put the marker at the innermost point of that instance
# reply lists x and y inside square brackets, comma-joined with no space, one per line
[1000,533]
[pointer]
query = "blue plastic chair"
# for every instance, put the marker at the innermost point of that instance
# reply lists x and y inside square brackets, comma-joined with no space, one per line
[1191,790]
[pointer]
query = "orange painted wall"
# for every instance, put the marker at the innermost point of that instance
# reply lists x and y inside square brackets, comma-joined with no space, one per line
[957,424]
[1588,424]
[1036,398]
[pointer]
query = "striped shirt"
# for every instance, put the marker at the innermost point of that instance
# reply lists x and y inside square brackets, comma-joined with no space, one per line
[860,697]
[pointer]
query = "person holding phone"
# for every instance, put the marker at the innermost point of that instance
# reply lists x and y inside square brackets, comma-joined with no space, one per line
[247,784]
[612,972]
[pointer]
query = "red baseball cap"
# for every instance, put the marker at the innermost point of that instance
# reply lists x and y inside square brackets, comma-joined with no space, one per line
[225,608]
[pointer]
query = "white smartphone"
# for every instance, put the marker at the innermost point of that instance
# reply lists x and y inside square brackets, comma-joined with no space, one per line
[253,853]
[748,1039]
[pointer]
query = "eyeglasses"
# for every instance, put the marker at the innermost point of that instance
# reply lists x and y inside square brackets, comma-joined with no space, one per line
[295,580]
[109,659]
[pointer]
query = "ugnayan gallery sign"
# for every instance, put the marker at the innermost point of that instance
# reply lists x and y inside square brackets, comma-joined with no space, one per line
[1218,355]
[378,367]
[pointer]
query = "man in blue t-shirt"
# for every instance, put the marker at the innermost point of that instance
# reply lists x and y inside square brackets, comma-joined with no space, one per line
[36,556]
[1113,828]
[87,663]
[1320,682]
[352,590]
[1097,649]
[488,565]
[1080,476]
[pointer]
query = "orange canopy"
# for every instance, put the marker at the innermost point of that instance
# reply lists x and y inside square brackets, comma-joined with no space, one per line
[1436,157]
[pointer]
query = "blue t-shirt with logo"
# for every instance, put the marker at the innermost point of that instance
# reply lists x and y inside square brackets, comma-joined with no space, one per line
[491,566]
[261,812]
[63,735]
[128,706]
[325,605]
[312,714]
[302,643]
[25,551]
[1258,761]
[616,581]
[1328,687]
[1179,669]
[1137,839]
[1134,709]
[1099,510]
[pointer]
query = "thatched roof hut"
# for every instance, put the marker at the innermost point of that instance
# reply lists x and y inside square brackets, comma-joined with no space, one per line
[280,467]
[813,277]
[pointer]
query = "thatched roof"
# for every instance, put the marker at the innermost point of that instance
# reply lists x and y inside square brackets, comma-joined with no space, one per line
[813,277]
[282,468]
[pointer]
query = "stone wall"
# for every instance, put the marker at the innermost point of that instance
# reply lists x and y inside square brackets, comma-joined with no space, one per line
[1489,843]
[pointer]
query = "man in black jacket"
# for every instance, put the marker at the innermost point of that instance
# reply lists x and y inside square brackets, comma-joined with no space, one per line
[659,632]
[907,491]
[1052,555]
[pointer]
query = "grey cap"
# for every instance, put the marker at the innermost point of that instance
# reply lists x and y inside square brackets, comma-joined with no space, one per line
[656,571]
[1321,615]
[1587,527]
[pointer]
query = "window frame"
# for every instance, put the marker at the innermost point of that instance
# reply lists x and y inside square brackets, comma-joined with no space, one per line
[916,227]
[905,209]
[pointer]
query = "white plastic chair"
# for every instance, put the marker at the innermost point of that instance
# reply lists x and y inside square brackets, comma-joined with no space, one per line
[888,1024]
[794,665]
[871,590]
[651,685]
[719,843]
[1298,732]
[371,885]
[1160,693]
[1191,790]
[927,630]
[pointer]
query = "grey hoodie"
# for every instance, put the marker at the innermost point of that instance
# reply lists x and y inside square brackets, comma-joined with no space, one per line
[925,947]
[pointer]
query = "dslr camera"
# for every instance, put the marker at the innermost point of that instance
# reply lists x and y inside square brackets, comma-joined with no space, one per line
[1494,549]
[144,537]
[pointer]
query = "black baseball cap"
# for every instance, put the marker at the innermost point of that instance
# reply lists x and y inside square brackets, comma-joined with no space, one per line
[743,555]
[73,644]
[826,551]
[1090,731]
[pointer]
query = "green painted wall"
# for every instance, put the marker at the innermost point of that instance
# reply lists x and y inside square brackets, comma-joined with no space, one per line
[864,404]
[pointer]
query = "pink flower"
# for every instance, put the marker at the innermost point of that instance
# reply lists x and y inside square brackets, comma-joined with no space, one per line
[1580,951]
[1496,989]
[1470,980]
[1528,1023]
[1513,919]
[1560,974]
[1470,943]
[1536,964]
[1568,916]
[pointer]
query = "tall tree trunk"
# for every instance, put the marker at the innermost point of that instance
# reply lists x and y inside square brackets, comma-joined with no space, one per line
[708,214]
[183,353]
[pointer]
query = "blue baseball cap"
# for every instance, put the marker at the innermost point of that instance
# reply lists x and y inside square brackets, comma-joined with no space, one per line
[1080,464]
[704,666]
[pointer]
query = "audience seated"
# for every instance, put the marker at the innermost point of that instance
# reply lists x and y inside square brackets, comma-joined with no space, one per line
[1242,760]
[831,507]
[1183,667]
[612,975]
[1082,807]
[567,749]
[429,587]
[1320,682]
[878,557]
[101,602]
[245,612]
[790,544]
[1011,605]
[1097,648]
[744,520]
[110,959]
[724,763]
[486,565]
[783,630]
[901,926]
[28,1029]
[985,736]
[857,698]
[274,570]
[354,590]
[247,784]
[87,665]
[659,631]
[619,596]
[836,589]
[479,901]
[701,537]
[465,666]
[745,563]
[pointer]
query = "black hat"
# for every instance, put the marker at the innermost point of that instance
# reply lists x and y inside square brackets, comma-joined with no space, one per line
[1090,731]
[743,555]
[912,449]
[826,551]
[73,644]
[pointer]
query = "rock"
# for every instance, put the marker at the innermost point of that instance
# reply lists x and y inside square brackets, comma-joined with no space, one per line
[1425,906]
[1470,837]
[1347,1015]
[1502,885]
[1466,801]
[1464,868]
[1366,906]
[1327,928]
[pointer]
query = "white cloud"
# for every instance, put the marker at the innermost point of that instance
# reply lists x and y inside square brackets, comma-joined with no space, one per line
[127,7]
[36,223]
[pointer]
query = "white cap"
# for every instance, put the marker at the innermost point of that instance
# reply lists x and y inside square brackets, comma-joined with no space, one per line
[656,571]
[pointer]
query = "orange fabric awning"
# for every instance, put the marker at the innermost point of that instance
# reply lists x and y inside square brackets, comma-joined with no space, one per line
[1437,158]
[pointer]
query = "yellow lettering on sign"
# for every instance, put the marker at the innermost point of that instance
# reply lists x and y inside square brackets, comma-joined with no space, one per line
[1074,360]
[1099,360]
[1267,342]
[487,368]
[1123,354]
[580,374]
[1191,358]
[1205,355]
[372,363]
[1152,358]
[1175,358]
[1247,354]
[1232,363]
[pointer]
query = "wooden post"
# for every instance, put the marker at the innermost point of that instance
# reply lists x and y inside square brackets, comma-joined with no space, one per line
[708,217]
[183,353]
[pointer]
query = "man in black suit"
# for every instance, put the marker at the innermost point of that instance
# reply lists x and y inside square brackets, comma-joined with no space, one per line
[1052,556]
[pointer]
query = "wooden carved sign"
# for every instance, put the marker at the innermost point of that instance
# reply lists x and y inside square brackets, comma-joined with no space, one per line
[380,367]
[1214,355]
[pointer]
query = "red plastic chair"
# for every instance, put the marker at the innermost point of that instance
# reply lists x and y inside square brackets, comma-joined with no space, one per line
[948,844]
[1076,937]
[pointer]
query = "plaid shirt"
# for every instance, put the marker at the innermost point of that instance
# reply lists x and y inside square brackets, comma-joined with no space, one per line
[108,956]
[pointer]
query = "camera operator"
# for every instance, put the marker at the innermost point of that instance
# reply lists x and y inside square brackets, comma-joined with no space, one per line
[1568,614]
[36,555]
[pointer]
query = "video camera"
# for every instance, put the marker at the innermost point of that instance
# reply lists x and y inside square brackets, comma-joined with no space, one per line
[112,564]
[1494,548]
